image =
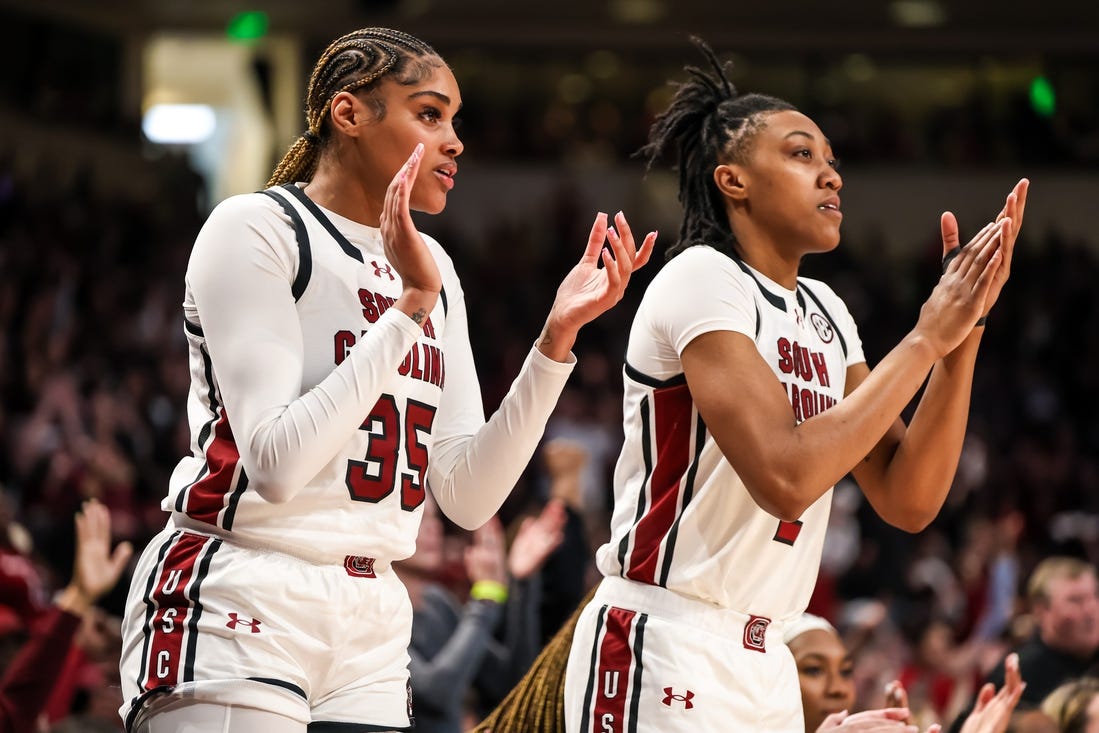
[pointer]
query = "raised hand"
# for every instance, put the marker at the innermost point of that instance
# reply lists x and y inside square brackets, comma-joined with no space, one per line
[96,568]
[565,461]
[536,540]
[1013,211]
[405,248]
[485,558]
[958,299]
[992,713]
[588,290]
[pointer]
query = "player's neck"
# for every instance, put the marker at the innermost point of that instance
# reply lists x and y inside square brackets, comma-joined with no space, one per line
[343,195]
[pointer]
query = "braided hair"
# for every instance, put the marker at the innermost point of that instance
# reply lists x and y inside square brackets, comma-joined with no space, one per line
[356,62]
[707,123]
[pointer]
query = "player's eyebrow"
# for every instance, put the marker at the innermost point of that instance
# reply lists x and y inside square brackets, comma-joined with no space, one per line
[808,135]
[430,93]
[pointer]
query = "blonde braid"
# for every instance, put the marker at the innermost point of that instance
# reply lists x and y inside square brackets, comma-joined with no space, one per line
[537,703]
[352,62]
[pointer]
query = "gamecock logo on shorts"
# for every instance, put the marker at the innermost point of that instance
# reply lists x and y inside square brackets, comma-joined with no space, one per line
[754,633]
[358,566]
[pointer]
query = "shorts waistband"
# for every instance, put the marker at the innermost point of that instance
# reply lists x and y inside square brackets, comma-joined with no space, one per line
[355,565]
[758,632]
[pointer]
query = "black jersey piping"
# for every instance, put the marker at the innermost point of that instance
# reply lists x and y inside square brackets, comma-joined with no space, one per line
[826,314]
[771,298]
[349,249]
[301,234]
[642,378]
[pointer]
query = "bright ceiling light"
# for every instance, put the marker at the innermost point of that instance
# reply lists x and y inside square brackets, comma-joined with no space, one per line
[179,124]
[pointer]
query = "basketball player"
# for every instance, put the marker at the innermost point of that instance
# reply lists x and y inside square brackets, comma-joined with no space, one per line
[747,396]
[332,383]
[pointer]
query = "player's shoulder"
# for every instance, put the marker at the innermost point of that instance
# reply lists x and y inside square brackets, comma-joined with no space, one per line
[700,269]
[245,207]
[700,260]
[245,221]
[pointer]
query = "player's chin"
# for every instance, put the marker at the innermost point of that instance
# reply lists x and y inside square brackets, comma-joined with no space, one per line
[433,204]
[828,240]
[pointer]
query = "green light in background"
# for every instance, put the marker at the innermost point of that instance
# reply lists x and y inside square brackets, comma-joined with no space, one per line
[1042,98]
[250,25]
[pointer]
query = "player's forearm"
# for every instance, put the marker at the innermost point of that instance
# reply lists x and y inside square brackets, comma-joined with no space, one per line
[471,475]
[287,445]
[919,476]
[811,457]
[556,340]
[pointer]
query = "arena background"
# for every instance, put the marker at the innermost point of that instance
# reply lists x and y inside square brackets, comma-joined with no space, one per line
[931,105]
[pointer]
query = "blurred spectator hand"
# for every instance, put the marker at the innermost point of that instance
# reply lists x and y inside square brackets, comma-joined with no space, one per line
[565,461]
[992,713]
[485,558]
[536,540]
[96,569]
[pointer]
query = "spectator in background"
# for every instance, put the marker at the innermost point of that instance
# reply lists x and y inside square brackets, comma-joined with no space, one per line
[570,571]
[454,651]
[1063,593]
[825,668]
[30,677]
[1074,706]
[826,672]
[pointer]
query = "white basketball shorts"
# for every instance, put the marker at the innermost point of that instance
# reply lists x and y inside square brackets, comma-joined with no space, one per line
[212,621]
[646,660]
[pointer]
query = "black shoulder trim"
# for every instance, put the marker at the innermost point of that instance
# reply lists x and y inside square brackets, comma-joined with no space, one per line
[773,299]
[442,297]
[305,257]
[645,379]
[349,249]
[826,314]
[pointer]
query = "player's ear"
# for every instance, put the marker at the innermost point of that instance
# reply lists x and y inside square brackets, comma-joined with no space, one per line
[347,113]
[731,181]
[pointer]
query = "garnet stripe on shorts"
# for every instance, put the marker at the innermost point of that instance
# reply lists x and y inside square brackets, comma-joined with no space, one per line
[614,681]
[173,610]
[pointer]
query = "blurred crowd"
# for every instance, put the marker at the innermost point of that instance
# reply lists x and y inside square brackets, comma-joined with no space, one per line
[93,382]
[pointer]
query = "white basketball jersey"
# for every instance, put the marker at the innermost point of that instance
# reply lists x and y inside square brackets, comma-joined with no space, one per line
[682,518]
[366,500]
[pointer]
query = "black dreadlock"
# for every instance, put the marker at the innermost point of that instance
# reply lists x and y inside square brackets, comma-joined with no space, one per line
[707,124]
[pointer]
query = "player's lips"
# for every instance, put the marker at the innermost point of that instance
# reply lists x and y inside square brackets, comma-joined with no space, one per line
[831,206]
[446,173]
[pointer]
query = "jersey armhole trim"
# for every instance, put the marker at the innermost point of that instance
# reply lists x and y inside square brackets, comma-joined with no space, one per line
[349,249]
[642,378]
[305,259]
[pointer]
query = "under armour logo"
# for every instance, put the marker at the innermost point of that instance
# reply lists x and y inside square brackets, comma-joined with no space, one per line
[670,697]
[234,620]
[379,269]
